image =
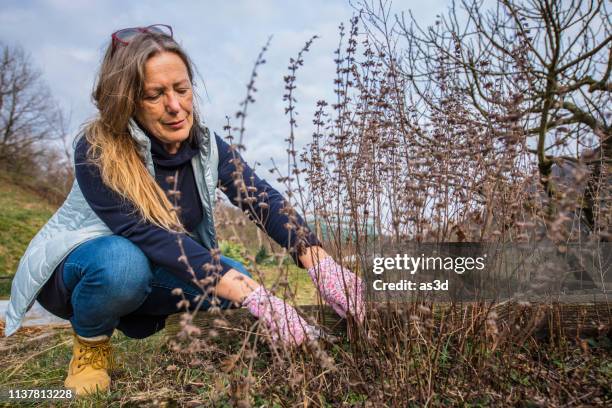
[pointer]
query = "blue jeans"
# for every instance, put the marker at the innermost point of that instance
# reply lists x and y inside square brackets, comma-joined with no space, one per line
[110,277]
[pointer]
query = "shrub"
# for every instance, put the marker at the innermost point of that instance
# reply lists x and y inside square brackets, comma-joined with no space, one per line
[233,250]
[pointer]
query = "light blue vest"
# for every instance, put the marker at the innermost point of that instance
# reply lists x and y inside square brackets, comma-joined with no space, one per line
[75,222]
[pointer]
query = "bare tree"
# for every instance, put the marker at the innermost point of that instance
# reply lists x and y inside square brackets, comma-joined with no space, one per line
[533,74]
[28,114]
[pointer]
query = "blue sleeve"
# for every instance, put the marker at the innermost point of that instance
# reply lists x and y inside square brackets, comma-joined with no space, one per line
[265,205]
[122,218]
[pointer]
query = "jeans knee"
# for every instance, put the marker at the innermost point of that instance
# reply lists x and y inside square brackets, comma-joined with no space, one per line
[125,271]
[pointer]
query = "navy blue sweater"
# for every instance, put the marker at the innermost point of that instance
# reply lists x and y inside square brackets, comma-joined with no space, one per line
[159,245]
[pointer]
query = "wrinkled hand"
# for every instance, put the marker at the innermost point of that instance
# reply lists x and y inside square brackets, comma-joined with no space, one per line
[281,319]
[334,283]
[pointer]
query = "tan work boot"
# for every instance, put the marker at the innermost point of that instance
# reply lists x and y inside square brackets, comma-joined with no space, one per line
[91,360]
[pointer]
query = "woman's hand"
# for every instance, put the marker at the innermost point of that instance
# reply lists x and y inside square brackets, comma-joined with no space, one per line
[281,319]
[339,287]
[235,286]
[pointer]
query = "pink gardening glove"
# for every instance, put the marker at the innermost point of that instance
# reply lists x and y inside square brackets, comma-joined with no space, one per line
[281,319]
[334,283]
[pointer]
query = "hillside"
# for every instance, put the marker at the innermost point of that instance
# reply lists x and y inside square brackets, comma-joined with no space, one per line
[22,214]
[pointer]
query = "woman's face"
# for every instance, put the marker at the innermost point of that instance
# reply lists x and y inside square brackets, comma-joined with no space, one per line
[166,108]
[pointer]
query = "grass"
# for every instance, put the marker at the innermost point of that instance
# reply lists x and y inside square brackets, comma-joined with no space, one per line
[298,282]
[149,373]
[23,214]
[139,363]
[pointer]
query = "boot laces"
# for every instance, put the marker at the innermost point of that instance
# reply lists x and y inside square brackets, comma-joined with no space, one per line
[98,356]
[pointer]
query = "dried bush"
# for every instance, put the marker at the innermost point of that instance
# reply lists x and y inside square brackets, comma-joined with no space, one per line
[432,142]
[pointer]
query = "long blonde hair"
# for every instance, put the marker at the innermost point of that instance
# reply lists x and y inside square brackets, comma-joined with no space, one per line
[117,90]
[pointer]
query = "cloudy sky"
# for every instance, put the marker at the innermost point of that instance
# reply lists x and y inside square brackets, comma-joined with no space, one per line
[66,39]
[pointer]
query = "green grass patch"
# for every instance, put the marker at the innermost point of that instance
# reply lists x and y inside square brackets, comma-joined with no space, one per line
[298,283]
[23,214]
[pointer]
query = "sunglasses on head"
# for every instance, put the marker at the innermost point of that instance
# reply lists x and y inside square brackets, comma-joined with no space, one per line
[125,35]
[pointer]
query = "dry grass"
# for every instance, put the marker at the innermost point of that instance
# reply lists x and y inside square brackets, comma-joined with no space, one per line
[149,374]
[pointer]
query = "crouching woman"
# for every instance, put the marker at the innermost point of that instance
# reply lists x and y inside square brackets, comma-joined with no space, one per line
[138,221]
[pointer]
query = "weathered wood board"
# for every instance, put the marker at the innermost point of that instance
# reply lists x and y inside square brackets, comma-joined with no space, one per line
[583,315]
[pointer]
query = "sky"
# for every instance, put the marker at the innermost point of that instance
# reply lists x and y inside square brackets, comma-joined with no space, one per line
[66,40]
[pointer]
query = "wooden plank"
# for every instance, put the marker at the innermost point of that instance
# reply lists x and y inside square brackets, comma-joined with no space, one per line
[582,315]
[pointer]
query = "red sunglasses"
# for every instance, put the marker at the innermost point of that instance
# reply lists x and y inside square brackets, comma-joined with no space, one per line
[125,35]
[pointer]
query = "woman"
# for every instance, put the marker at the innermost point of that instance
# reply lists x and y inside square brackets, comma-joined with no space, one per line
[138,222]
